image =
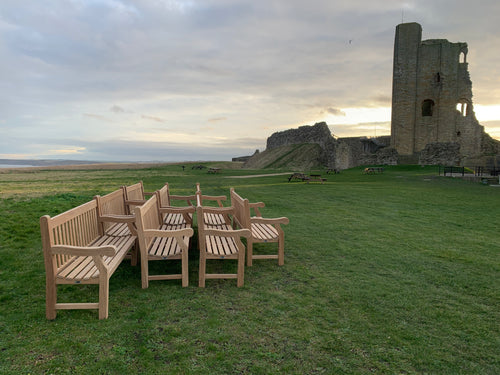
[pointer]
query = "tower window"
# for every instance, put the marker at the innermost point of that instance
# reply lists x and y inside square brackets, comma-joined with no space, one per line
[427,107]
[463,108]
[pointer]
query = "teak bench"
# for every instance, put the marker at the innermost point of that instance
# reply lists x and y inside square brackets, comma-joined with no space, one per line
[160,241]
[262,229]
[77,251]
[219,241]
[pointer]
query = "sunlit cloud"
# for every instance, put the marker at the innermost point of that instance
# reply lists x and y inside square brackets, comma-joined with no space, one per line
[153,118]
[67,151]
[217,119]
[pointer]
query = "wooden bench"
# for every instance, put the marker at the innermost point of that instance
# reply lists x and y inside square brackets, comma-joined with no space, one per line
[113,217]
[316,178]
[262,229]
[298,176]
[77,251]
[219,242]
[135,195]
[214,170]
[160,241]
[182,216]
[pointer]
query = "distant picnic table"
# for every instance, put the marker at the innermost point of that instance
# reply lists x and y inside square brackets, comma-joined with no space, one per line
[214,170]
[306,178]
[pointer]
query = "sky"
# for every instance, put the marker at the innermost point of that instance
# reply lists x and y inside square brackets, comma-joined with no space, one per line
[185,80]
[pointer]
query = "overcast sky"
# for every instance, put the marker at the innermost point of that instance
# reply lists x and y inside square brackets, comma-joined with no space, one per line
[172,80]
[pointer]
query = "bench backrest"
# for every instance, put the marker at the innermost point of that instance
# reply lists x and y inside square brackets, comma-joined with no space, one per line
[76,227]
[147,217]
[241,210]
[135,191]
[111,204]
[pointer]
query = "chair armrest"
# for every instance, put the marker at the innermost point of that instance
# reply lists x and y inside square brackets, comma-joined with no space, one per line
[108,250]
[218,198]
[186,232]
[218,210]
[177,210]
[118,218]
[187,198]
[273,221]
[256,207]
[228,233]
[135,202]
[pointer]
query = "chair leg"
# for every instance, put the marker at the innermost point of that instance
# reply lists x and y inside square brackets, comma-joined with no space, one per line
[281,249]
[144,271]
[203,264]
[249,252]
[241,267]
[185,269]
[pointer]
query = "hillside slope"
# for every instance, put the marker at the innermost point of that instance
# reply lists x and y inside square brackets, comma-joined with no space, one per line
[300,157]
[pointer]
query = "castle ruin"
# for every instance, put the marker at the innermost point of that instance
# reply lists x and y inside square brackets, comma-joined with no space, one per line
[433,120]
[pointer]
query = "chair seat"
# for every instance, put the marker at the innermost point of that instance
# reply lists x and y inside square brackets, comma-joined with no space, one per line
[264,232]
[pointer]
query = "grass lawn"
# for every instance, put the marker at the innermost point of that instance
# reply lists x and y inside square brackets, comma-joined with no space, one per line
[395,273]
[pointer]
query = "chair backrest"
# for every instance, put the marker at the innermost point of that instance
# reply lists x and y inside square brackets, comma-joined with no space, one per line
[241,210]
[147,217]
[135,191]
[163,196]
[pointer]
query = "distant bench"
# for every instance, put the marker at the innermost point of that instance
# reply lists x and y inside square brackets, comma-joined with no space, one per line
[298,176]
[372,170]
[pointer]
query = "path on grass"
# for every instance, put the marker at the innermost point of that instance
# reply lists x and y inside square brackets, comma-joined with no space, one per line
[261,175]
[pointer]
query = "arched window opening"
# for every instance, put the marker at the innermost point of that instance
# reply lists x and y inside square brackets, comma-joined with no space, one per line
[463,108]
[463,57]
[427,107]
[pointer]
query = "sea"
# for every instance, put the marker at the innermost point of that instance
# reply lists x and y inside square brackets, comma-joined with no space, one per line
[15,165]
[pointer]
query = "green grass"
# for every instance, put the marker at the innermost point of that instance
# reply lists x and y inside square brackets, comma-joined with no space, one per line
[387,273]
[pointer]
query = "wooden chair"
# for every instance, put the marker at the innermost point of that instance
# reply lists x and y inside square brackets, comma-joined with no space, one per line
[217,217]
[262,229]
[182,216]
[160,241]
[135,196]
[219,241]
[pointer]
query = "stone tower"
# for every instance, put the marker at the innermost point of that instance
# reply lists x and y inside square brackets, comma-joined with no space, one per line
[432,96]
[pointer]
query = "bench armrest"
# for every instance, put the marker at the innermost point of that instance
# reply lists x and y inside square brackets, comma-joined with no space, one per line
[108,250]
[273,221]
[218,210]
[118,218]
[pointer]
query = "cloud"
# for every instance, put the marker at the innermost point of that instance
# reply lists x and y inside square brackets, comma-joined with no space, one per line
[97,117]
[335,111]
[153,118]
[217,119]
[117,109]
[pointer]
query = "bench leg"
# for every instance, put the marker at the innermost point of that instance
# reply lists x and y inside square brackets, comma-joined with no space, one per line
[103,297]
[50,299]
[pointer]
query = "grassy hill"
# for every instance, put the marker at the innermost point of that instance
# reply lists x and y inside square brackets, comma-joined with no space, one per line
[393,273]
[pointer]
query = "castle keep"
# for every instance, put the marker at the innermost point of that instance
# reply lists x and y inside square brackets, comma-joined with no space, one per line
[432,99]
